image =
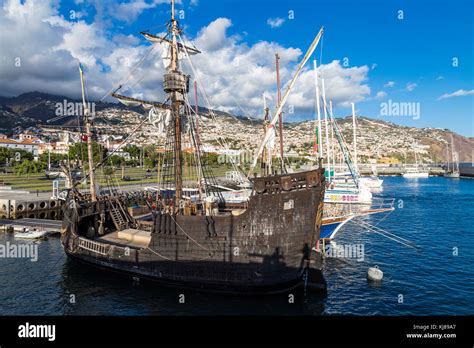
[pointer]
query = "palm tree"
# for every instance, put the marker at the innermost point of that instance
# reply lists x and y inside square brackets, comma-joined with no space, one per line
[27,167]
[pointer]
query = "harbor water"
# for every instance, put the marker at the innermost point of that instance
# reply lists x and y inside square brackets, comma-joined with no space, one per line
[436,214]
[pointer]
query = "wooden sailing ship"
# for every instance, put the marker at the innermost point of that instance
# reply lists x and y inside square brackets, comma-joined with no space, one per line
[261,244]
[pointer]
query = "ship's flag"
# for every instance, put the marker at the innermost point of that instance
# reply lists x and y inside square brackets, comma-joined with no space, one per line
[316,141]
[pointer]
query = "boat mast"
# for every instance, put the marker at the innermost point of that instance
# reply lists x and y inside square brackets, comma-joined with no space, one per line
[284,98]
[355,136]
[318,109]
[327,130]
[333,148]
[267,153]
[89,138]
[447,157]
[176,97]
[280,120]
[196,109]
[452,156]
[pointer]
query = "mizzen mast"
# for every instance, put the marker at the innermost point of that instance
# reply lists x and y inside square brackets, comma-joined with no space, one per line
[280,119]
[282,102]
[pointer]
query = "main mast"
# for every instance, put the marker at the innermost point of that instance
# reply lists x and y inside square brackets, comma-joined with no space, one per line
[354,136]
[176,84]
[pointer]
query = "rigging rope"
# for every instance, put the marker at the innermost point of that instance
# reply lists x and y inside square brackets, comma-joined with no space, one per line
[396,239]
[140,62]
[117,148]
[206,99]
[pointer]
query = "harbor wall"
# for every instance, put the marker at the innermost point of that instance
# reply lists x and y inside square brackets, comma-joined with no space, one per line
[29,208]
[466,169]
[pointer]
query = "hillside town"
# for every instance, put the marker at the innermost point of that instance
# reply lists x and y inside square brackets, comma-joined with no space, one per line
[377,141]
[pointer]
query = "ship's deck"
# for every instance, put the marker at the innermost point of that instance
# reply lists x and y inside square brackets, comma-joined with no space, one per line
[129,237]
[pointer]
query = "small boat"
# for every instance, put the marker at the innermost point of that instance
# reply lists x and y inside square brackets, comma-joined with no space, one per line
[334,218]
[31,234]
[335,194]
[451,175]
[416,172]
[371,182]
[331,225]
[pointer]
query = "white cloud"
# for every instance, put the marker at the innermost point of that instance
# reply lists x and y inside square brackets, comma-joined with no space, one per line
[374,65]
[389,84]
[234,73]
[275,22]
[126,39]
[411,86]
[343,86]
[129,11]
[440,78]
[213,37]
[380,94]
[458,93]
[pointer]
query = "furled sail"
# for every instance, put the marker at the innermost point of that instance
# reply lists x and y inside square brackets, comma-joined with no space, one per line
[166,48]
[129,101]
[160,119]
[164,40]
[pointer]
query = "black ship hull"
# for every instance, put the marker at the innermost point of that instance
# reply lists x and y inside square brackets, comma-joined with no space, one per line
[266,247]
[200,286]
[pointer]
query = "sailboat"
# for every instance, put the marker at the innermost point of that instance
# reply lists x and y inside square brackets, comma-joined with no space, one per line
[344,199]
[452,172]
[415,172]
[342,189]
[197,239]
[373,181]
[52,174]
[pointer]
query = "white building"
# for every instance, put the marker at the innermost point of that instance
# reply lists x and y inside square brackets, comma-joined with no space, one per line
[26,145]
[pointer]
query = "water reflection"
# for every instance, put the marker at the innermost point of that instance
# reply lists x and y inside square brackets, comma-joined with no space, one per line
[98,292]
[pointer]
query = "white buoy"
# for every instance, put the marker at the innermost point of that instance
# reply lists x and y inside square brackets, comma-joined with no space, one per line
[374,274]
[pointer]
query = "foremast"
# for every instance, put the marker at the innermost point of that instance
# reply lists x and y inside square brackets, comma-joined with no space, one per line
[88,125]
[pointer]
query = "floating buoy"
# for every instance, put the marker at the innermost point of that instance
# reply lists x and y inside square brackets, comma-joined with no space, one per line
[374,274]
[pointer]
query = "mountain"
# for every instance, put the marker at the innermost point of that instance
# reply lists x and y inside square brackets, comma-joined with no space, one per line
[375,138]
[37,107]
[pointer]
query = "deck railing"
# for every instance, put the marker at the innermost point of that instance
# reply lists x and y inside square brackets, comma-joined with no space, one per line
[93,246]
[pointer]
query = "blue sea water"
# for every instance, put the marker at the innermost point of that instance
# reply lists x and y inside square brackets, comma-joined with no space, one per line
[436,214]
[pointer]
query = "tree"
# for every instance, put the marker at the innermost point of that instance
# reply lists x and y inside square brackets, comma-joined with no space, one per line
[151,156]
[107,170]
[115,160]
[10,156]
[133,150]
[56,159]
[78,151]
[28,167]
[210,158]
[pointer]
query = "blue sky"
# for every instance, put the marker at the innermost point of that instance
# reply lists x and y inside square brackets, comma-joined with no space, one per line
[415,53]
